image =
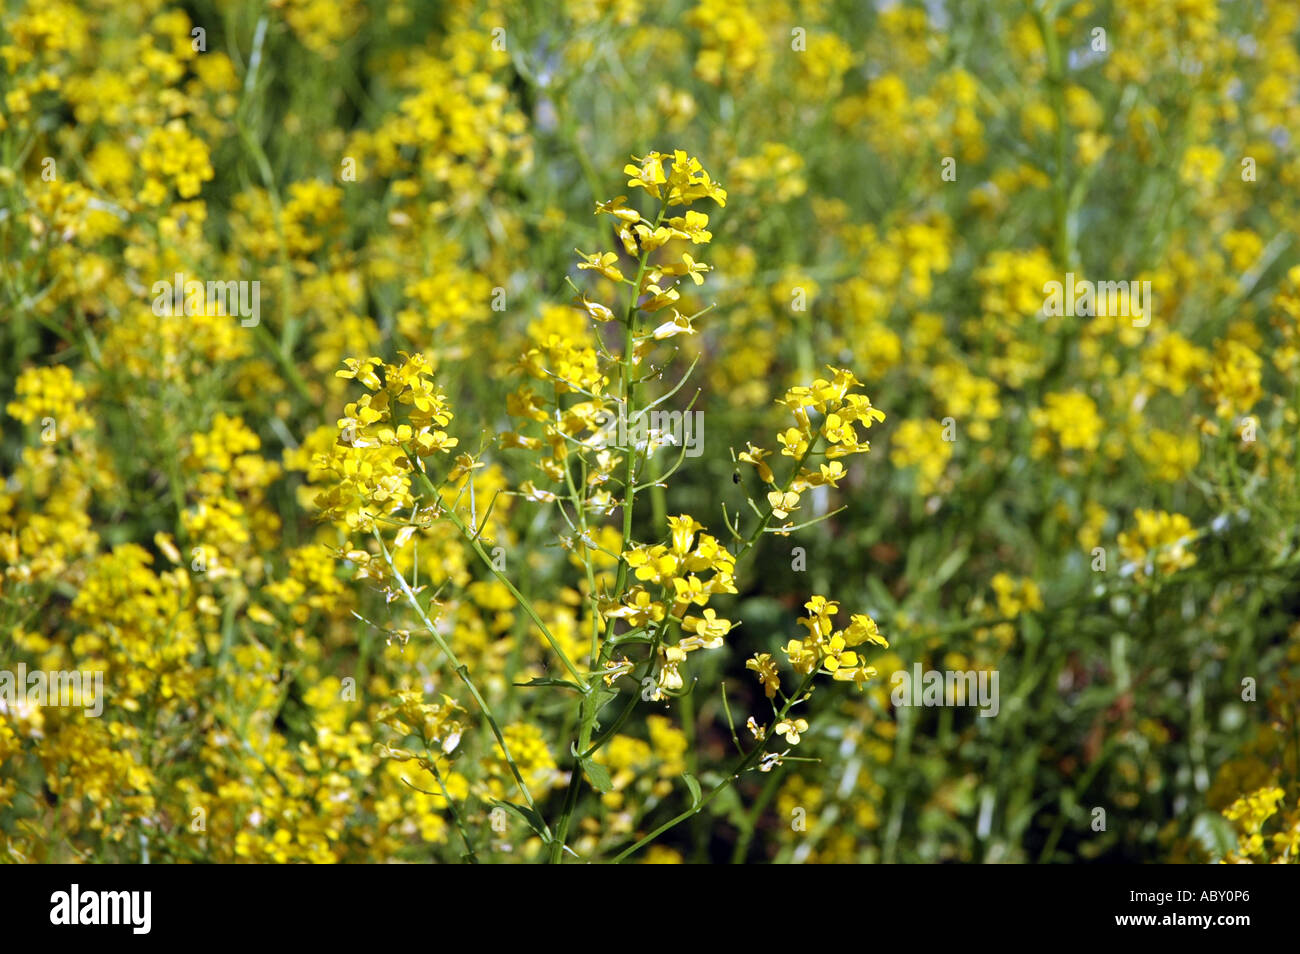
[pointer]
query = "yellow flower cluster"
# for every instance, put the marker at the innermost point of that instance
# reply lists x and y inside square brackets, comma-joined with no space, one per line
[677,569]
[52,398]
[1160,543]
[827,415]
[173,158]
[1251,812]
[920,444]
[330,632]
[826,651]
[379,438]
[1066,422]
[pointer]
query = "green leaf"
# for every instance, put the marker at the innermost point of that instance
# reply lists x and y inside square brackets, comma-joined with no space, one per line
[694,786]
[946,569]
[563,683]
[597,775]
[602,697]
[888,604]
[1030,628]
[1215,834]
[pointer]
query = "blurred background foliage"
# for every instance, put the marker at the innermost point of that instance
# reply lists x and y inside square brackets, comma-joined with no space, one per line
[1102,511]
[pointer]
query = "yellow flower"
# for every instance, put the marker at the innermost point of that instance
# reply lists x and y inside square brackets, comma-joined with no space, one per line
[837,656]
[863,629]
[791,729]
[710,628]
[782,503]
[648,174]
[677,325]
[763,666]
[754,455]
[859,675]
[597,311]
[686,180]
[602,262]
[801,658]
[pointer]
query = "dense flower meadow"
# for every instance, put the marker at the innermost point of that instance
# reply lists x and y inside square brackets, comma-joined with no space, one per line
[786,431]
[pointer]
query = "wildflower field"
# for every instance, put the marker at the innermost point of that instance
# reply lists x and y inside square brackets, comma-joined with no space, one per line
[792,431]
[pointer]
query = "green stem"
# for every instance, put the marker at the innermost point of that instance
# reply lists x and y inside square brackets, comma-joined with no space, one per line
[463,673]
[524,603]
[589,706]
[1056,90]
[751,820]
[470,854]
[744,765]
